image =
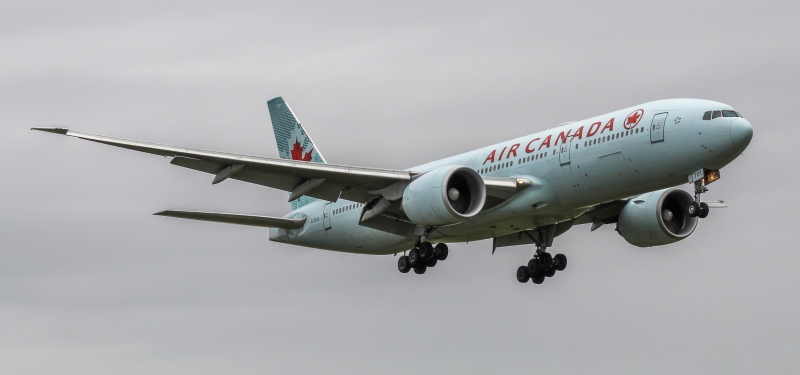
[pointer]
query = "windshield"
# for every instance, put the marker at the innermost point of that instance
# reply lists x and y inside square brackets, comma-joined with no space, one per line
[709,115]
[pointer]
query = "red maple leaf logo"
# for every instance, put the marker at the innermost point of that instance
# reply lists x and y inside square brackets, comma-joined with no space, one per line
[633,119]
[297,152]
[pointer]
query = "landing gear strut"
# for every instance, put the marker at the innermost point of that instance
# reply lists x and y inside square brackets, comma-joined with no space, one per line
[698,208]
[422,257]
[542,265]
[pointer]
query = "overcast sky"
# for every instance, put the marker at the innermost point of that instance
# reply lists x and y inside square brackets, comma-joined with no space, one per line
[92,283]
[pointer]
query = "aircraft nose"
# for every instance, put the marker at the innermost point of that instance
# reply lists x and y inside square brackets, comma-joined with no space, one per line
[741,132]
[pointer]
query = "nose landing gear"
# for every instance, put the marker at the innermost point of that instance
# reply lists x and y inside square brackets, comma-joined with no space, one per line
[697,208]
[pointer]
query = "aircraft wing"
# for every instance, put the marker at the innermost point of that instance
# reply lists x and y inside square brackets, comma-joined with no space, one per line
[324,181]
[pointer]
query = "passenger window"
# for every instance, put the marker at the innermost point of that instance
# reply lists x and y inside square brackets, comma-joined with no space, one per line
[716,114]
[729,114]
[707,115]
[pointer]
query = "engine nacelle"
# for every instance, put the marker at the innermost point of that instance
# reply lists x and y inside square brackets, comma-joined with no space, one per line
[657,218]
[445,195]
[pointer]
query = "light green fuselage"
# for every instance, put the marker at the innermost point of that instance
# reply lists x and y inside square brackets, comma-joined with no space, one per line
[574,167]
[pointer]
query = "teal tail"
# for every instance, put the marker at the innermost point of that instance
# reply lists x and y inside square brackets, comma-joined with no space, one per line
[293,141]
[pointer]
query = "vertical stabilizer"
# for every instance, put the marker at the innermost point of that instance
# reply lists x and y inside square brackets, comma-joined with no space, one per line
[293,141]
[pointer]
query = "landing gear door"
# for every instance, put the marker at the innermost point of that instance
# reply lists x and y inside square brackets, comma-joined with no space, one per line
[563,152]
[657,128]
[326,216]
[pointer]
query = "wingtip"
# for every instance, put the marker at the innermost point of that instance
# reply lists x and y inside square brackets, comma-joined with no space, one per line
[53,130]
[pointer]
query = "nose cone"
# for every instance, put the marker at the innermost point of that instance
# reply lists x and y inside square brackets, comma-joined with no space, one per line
[741,132]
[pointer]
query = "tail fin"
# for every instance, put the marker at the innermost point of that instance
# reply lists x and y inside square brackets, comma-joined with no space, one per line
[293,141]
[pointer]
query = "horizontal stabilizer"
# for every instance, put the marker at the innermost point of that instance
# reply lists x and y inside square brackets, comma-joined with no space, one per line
[256,221]
[52,130]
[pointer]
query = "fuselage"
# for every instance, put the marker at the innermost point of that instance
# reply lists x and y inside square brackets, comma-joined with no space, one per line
[575,166]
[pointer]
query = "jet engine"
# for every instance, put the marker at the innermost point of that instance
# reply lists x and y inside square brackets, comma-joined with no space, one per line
[657,218]
[445,195]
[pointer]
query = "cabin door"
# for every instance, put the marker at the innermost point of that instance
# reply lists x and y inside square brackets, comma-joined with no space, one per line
[657,128]
[563,152]
[326,216]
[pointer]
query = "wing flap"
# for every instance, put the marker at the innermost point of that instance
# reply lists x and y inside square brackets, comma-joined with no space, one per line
[256,221]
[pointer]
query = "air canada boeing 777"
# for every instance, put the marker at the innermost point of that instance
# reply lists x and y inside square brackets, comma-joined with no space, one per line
[619,168]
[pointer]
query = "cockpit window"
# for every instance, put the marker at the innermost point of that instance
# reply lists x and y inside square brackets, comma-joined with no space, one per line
[723,113]
[729,114]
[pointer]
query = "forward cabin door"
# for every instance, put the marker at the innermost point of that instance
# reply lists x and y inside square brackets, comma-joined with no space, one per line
[657,128]
[326,216]
[564,150]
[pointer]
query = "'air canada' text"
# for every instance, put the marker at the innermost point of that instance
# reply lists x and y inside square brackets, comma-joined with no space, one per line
[545,143]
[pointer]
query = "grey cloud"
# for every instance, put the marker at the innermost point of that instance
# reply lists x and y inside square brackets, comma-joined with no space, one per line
[90,282]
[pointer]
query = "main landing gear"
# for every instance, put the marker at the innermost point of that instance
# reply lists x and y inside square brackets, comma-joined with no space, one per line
[698,208]
[421,257]
[543,264]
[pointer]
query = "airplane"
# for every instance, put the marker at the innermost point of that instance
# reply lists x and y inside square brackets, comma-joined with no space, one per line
[621,168]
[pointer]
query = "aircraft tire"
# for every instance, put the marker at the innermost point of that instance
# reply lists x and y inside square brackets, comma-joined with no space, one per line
[432,262]
[421,269]
[533,267]
[403,264]
[551,272]
[703,210]
[522,274]
[414,258]
[545,261]
[441,251]
[538,279]
[693,209]
[426,250]
[560,262]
